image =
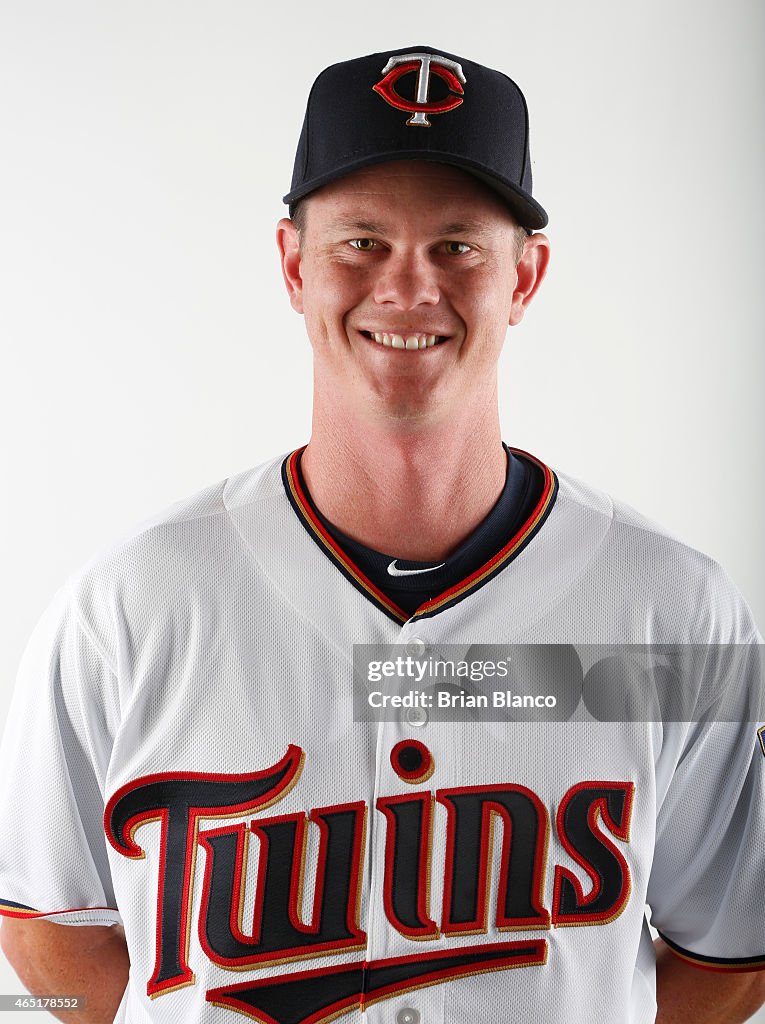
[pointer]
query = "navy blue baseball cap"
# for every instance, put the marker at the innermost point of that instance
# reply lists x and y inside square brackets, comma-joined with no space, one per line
[418,103]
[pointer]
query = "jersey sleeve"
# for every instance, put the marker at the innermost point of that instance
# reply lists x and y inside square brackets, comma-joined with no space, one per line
[53,761]
[705,888]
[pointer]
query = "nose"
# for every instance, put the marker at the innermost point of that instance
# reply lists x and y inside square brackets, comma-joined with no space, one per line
[407,279]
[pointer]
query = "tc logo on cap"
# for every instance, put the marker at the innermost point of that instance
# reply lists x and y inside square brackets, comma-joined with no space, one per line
[425,64]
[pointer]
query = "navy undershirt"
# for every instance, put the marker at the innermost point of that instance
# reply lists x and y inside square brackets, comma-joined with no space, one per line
[523,486]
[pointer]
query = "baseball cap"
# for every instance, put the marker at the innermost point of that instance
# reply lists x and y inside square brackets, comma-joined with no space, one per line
[418,103]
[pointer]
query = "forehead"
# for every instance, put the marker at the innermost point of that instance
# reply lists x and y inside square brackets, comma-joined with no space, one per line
[420,187]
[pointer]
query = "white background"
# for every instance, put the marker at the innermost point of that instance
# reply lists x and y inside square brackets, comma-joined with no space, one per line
[147,346]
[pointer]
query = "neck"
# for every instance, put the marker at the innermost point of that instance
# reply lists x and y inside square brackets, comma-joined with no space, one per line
[411,492]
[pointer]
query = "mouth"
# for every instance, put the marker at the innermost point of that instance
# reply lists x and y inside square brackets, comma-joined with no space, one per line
[410,341]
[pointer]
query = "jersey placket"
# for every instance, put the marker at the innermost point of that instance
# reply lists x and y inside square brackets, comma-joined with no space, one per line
[406,950]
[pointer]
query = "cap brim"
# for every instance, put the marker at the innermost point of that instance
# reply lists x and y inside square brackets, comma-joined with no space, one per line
[526,210]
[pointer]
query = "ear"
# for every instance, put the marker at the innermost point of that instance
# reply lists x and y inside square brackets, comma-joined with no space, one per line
[530,272]
[289,254]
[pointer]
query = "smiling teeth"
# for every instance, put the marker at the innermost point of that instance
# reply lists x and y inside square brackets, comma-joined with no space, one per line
[412,342]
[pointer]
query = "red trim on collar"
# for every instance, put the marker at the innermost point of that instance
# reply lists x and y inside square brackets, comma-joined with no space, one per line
[496,561]
[303,507]
[329,542]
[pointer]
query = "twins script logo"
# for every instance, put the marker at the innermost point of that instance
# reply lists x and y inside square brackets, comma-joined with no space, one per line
[592,822]
[424,64]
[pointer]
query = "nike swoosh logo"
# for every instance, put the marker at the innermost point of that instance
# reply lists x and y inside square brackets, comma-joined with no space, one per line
[393,571]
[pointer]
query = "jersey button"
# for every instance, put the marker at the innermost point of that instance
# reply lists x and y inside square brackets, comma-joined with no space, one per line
[408,1015]
[416,646]
[416,717]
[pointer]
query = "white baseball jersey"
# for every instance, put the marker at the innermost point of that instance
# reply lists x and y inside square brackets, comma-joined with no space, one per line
[182,757]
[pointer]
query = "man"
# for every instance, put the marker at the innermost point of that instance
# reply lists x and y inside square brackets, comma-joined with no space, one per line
[184,777]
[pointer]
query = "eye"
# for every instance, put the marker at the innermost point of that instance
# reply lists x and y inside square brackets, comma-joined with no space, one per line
[456,248]
[363,244]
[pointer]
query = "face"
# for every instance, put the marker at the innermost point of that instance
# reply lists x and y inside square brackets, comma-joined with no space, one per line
[407,280]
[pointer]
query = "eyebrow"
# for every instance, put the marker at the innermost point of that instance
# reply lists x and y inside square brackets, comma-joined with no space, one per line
[452,228]
[461,227]
[361,225]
